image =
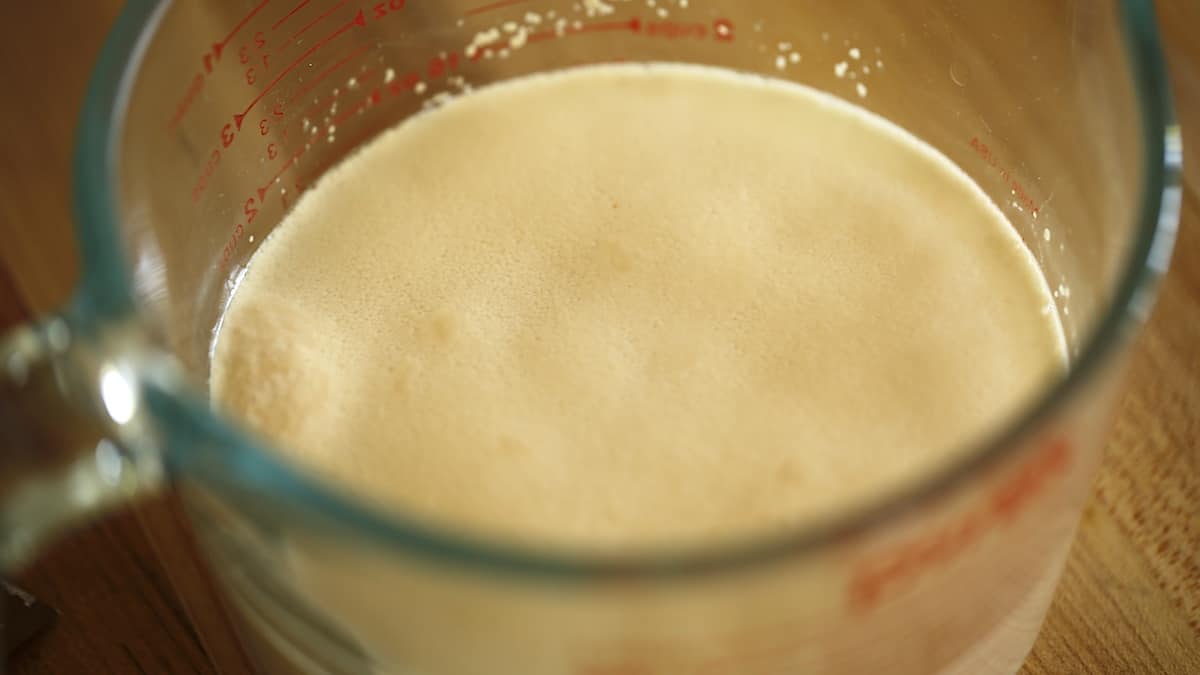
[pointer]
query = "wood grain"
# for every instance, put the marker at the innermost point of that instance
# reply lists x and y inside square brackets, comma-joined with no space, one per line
[1130,598]
[130,603]
[119,612]
[135,597]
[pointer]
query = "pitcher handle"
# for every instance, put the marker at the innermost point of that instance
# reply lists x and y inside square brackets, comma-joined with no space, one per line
[73,440]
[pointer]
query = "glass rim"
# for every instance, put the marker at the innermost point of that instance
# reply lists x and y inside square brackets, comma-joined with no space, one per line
[248,469]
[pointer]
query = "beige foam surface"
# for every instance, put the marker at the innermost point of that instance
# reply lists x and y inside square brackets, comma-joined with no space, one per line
[629,305]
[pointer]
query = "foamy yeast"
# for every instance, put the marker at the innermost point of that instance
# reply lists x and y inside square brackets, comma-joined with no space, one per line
[634,305]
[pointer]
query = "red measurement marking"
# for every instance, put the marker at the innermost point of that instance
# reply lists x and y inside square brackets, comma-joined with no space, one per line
[632,25]
[359,20]
[218,46]
[262,191]
[541,35]
[905,562]
[372,99]
[184,105]
[314,110]
[231,245]
[721,30]
[202,181]
[501,4]
[325,73]
[673,30]
[382,9]
[985,153]
[287,16]
[724,29]
[312,23]
[439,67]
[197,82]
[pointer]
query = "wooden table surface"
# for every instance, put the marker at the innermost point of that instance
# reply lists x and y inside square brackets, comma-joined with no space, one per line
[1129,601]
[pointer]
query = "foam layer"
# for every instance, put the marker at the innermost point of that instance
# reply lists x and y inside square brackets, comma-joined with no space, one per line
[627,305]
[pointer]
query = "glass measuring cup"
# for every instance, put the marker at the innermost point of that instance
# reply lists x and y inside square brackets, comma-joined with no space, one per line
[166,223]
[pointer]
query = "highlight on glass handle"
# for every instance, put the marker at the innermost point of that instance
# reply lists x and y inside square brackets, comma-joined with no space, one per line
[73,440]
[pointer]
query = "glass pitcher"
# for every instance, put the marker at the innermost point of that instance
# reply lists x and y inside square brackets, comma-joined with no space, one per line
[205,121]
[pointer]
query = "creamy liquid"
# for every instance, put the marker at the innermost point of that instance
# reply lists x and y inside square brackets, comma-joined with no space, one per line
[632,305]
